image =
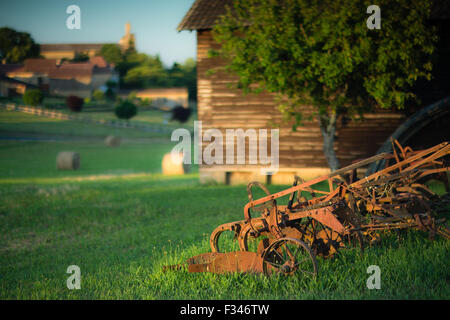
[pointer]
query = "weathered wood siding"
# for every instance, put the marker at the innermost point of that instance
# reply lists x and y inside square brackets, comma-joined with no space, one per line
[221,107]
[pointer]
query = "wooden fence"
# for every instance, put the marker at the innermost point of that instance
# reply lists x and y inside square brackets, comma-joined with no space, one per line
[155,128]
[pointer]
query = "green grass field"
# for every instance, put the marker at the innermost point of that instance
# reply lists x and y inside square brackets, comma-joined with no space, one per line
[120,220]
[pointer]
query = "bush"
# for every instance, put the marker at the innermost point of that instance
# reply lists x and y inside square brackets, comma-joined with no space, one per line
[132,95]
[181,113]
[74,103]
[145,102]
[33,97]
[125,110]
[110,94]
[98,95]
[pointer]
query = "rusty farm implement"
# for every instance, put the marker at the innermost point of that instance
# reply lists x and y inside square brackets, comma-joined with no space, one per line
[351,212]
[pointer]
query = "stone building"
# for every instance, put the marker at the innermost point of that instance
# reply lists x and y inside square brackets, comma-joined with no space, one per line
[69,51]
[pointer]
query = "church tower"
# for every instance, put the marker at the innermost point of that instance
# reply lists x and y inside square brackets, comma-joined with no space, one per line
[127,42]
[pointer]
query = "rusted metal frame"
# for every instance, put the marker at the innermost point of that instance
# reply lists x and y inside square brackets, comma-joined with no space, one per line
[384,226]
[384,180]
[438,154]
[395,142]
[390,226]
[319,214]
[433,171]
[314,191]
[372,201]
[231,226]
[316,180]
[406,210]
[273,221]
[323,215]
[443,146]
[330,185]
[360,164]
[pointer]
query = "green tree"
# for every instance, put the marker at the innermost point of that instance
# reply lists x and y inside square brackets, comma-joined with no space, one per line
[144,71]
[125,110]
[16,46]
[184,75]
[110,93]
[322,54]
[80,57]
[33,97]
[112,53]
[98,95]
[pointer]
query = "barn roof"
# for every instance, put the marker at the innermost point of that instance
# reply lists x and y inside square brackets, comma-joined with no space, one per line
[204,13]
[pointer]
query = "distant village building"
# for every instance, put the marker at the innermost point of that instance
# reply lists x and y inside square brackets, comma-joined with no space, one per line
[62,79]
[300,152]
[69,51]
[11,87]
[165,98]
[57,75]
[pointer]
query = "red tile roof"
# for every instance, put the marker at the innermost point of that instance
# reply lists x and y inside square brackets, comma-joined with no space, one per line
[40,65]
[72,70]
[99,61]
[9,67]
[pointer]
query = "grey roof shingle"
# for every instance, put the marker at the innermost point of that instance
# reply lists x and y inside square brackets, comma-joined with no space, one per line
[203,14]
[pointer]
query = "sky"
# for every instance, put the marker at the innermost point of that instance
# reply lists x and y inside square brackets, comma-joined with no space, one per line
[153,22]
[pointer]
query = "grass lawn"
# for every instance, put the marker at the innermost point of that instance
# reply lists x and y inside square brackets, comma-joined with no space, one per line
[105,111]
[28,160]
[120,221]
[14,123]
[120,232]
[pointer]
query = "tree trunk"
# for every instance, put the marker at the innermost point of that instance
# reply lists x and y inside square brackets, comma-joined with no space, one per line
[328,129]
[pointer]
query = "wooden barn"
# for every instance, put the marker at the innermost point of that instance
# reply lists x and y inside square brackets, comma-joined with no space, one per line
[300,152]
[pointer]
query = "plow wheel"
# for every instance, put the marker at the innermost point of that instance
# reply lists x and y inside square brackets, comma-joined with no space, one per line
[288,256]
[325,242]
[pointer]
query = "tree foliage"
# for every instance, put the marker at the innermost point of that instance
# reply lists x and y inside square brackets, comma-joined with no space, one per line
[125,110]
[322,54]
[74,103]
[180,114]
[80,57]
[139,70]
[144,71]
[98,95]
[33,97]
[111,53]
[16,46]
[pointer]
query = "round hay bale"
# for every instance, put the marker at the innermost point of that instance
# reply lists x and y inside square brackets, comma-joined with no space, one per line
[68,160]
[112,141]
[173,164]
